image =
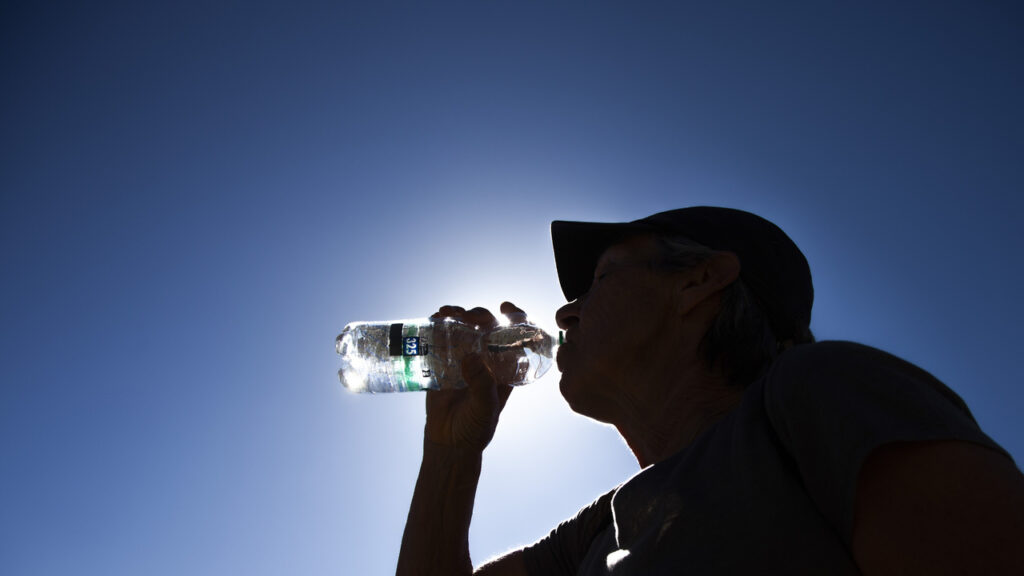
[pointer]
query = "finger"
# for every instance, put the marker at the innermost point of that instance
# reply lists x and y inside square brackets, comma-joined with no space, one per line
[481,317]
[452,311]
[440,401]
[482,382]
[448,311]
[514,314]
[476,373]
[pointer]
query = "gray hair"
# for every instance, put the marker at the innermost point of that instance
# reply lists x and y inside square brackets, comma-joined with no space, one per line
[740,340]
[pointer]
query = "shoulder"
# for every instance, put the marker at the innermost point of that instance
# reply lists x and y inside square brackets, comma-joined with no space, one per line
[831,404]
[564,548]
[839,357]
[838,372]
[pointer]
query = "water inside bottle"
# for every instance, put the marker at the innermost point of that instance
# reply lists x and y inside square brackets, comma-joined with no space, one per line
[423,355]
[368,365]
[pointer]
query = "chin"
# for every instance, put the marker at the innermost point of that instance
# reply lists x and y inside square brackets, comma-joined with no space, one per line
[579,400]
[570,391]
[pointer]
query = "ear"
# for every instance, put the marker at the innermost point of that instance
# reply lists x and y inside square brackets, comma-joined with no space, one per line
[707,279]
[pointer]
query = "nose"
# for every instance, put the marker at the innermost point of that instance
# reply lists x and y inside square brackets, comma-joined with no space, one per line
[569,315]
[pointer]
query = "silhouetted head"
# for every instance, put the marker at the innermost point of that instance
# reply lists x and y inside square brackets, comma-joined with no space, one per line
[720,285]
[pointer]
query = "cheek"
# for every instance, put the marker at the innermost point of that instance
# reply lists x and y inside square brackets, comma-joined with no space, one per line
[621,318]
[601,327]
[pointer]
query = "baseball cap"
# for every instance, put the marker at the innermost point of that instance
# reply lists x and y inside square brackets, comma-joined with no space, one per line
[771,265]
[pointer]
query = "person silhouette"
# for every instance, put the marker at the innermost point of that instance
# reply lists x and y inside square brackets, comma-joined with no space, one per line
[762,451]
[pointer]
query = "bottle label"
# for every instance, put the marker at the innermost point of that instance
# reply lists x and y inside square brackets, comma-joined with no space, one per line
[411,346]
[395,340]
[405,345]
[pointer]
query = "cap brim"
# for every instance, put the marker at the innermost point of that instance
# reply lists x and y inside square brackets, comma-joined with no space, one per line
[772,266]
[578,247]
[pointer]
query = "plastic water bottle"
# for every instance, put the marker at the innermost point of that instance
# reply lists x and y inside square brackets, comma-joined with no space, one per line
[424,354]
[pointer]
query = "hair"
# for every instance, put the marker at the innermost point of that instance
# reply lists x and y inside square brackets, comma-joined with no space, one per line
[740,341]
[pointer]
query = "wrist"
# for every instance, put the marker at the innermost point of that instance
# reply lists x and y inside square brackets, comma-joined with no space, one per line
[451,454]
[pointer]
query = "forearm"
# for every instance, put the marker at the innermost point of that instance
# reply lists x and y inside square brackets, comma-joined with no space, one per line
[436,539]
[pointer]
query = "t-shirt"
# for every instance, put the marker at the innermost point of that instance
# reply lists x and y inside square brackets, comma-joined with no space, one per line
[770,488]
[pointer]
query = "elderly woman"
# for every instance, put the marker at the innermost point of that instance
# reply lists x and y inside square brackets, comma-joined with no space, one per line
[762,451]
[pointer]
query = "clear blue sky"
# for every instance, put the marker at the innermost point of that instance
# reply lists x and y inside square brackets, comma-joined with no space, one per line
[196,197]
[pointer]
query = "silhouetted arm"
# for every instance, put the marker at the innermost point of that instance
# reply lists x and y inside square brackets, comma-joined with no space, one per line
[943,507]
[436,539]
[460,424]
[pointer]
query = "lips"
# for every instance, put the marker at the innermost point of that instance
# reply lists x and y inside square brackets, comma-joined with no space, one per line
[560,356]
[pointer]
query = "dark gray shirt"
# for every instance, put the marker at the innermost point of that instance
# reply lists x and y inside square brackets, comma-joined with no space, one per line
[770,488]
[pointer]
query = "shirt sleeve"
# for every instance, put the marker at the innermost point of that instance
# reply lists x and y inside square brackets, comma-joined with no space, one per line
[833,403]
[563,549]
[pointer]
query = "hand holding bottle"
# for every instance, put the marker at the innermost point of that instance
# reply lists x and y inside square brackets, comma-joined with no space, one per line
[468,417]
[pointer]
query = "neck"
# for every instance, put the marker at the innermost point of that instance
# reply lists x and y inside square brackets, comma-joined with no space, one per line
[657,427]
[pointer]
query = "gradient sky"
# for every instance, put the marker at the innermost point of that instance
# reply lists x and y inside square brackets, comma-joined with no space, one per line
[196,197]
